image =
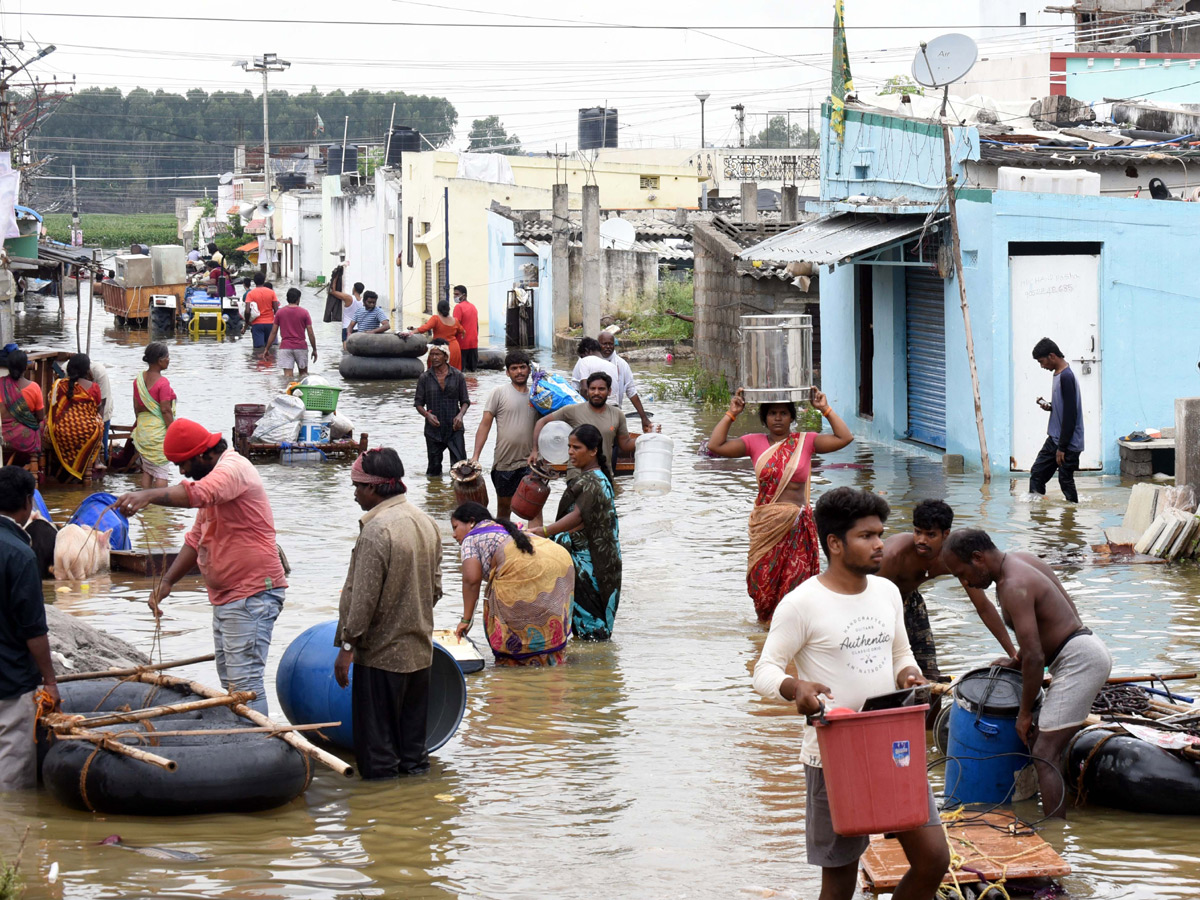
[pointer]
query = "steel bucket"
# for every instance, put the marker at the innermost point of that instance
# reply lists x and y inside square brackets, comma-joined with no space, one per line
[777,358]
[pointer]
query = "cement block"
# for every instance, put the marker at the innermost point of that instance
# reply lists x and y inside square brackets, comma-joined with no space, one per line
[953,463]
[1143,503]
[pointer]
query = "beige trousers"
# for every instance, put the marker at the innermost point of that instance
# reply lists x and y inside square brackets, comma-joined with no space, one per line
[18,752]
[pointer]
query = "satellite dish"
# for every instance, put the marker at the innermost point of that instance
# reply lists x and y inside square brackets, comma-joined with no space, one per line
[944,60]
[617,234]
[226,178]
[265,207]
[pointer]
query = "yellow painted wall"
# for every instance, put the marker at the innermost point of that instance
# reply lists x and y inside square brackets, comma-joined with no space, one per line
[427,175]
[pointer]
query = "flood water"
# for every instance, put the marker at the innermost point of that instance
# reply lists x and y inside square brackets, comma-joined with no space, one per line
[645,767]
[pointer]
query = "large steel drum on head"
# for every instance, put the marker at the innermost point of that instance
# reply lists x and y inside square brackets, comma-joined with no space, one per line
[777,358]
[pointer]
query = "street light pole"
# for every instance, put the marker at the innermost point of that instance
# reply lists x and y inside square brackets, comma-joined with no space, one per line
[702,96]
[268,62]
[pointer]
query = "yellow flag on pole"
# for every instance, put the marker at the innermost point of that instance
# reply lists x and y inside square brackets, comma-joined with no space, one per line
[842,82]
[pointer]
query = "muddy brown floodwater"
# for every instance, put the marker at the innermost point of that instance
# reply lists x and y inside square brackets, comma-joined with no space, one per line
[646,767]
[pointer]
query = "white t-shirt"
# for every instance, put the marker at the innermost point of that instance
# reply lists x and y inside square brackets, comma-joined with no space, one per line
[624,386]
[589,365]
[854,644]
[349,311]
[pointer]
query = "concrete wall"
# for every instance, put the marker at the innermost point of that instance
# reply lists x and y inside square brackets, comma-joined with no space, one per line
[1001,77]
[723,296]
[1149,331]
[1092,77]
[627,278]
[350,227]
[503,268]
[890,157]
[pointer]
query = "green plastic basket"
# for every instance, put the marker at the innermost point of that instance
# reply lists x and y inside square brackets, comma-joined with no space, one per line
[318,397]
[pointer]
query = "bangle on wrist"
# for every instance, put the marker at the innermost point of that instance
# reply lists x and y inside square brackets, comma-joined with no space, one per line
[466,620]
[827,411]
[732,416]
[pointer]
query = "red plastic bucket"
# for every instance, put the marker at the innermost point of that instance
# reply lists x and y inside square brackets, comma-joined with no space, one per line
[874,765]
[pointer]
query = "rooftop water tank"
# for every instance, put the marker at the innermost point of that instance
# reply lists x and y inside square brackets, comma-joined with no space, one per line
[1048,181]
[404,140]
[336,165]
[597,128]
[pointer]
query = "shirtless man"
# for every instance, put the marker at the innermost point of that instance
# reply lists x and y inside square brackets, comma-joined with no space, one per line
[909,560]
[1050,634]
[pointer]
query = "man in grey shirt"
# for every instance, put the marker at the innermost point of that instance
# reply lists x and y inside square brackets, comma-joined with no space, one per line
[1064,435]
[509,407]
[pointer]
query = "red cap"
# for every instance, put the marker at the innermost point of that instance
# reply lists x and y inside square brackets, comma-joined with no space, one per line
[186,439]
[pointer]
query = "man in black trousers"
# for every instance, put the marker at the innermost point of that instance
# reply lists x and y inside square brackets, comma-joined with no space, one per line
[1064,435]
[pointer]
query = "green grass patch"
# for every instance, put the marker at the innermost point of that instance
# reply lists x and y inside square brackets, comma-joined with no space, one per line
[116,231]
[651,322]
[698,387]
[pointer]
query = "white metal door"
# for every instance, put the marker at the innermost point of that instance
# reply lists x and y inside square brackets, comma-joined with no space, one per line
[1056,297]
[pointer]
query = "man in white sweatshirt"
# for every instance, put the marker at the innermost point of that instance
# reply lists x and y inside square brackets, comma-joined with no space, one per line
[844,630]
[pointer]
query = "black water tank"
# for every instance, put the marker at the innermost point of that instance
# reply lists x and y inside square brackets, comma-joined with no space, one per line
[597,128]
[404,140]
[291,181]
[335,165]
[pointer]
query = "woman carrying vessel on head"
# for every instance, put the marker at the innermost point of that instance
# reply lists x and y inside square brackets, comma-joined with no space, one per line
[24,410]
[587,526]
[531,580]
[154,405]
[73,418]
[783,535]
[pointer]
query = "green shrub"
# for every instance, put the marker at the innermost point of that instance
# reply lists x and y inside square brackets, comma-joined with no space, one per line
[651,321]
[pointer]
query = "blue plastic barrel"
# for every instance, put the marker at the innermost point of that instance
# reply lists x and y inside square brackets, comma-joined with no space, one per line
[92,512]
[984,752]
[309,693]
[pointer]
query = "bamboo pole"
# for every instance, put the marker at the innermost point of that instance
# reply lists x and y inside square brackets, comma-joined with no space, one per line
[59,721]
[124,673]
[322,756]
[261,729]
[1133,679]
[956,249]
[106,742]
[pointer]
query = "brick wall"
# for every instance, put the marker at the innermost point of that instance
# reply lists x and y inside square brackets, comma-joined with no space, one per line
[723,296]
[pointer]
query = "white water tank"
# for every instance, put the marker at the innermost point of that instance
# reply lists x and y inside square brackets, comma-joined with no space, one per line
[169,263]
[1048,181]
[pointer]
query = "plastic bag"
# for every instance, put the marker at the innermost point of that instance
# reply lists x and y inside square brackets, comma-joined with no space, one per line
[549,392]
[1181,497]
[281,421]
[339,427]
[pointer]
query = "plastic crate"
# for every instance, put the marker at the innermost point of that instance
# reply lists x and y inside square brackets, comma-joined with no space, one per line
[318,397]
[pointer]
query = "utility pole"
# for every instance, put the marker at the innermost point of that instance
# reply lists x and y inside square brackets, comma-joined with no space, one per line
[76,230]
[267,63]
[740,109]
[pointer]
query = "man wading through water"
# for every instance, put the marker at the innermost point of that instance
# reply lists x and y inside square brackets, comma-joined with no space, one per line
[844,631]
[442,400]
[1064,434]
[1051,636]
[909,560]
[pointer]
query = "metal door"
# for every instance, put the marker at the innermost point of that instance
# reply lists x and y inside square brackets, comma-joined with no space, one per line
[925,326]
[1056,297]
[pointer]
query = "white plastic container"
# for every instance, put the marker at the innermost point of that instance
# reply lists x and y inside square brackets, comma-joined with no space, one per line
[552,442]
[314,427]
[652,458]
[1048,181]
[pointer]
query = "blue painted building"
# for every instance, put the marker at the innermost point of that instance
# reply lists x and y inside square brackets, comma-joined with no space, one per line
[1106,276]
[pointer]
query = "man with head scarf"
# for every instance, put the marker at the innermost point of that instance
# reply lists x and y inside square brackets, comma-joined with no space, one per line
[385,620]
[232,541]
[441,399]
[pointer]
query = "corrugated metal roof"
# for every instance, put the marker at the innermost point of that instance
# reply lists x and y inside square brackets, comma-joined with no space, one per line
[833,239]
[667,250]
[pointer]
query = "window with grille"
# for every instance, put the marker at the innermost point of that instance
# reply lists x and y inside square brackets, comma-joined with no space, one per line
[428,286]
[443,281]
[649,182]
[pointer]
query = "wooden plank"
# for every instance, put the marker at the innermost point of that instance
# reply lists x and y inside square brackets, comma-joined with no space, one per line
[994,853]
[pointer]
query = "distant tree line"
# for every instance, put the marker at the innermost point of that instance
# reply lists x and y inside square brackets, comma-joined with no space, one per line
[151,135]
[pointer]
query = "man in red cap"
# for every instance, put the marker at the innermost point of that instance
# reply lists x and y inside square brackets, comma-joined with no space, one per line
[232,540]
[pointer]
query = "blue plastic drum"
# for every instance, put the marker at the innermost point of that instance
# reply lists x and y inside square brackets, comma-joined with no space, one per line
[309,693]
[93,511]
[984,753]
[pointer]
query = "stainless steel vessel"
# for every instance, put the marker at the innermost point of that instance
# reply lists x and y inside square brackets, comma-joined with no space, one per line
[777,358]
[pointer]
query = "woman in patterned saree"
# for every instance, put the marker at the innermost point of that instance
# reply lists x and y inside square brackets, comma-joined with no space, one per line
[783,535]
[527,607]
[24,410]
[587,527]
[73,418]
[154,405]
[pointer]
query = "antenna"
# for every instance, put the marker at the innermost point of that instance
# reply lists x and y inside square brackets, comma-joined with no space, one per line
[943,61]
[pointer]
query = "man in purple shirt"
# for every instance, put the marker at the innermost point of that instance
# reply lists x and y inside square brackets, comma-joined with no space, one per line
[291,323]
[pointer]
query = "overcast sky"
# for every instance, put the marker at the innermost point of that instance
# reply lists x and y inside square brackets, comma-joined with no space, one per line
[530,72]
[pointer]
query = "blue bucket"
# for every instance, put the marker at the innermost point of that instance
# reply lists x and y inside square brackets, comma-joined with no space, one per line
[92,512]
[309,693]
[984,753]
